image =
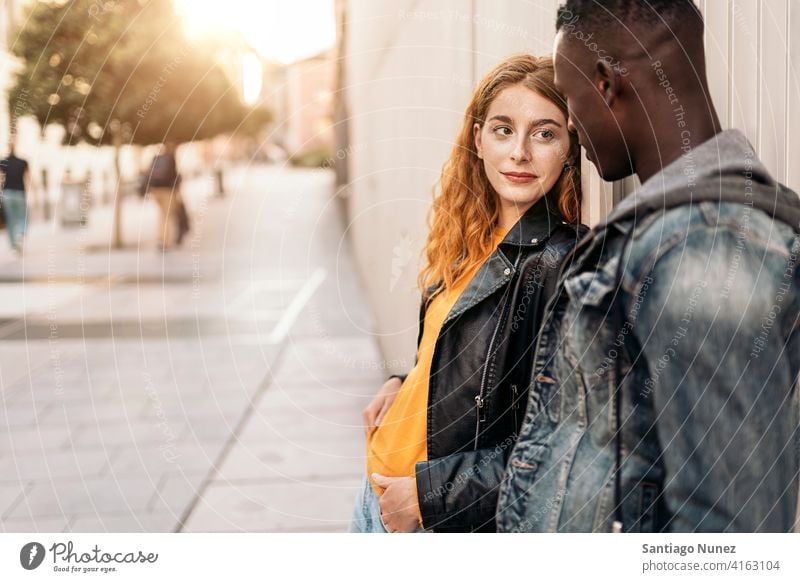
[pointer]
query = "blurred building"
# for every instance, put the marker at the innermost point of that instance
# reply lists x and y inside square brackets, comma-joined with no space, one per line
[310,84]
[410,68]
[300,97]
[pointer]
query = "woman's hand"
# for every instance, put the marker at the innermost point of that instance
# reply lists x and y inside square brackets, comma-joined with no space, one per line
[373,414]
[399,504]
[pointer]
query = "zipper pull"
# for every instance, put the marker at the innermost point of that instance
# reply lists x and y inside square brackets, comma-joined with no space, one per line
[514,406]
[479,404]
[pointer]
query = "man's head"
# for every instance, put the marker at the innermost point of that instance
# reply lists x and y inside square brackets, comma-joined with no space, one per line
[605,52]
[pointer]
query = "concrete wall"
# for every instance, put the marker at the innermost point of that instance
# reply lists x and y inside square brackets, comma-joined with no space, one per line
[410,68]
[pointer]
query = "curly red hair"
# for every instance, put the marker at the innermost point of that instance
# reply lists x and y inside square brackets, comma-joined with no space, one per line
[465,213]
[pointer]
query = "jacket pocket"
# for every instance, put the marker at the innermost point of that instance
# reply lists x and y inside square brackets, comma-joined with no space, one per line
[526,458]
[589,288]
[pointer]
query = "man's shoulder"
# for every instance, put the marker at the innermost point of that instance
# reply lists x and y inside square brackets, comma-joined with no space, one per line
[729,252]
[674,224]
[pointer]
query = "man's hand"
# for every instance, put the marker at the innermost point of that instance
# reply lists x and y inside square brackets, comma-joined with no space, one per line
[399,504]
[373,414]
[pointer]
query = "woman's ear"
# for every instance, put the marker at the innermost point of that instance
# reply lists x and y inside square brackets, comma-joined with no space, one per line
[476,135]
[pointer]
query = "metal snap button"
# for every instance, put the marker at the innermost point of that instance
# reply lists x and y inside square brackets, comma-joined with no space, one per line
[507,271]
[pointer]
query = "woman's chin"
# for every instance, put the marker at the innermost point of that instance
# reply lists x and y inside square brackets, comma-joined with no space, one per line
[521,199]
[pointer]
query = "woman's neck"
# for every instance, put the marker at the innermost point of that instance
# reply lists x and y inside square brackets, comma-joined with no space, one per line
[511,213]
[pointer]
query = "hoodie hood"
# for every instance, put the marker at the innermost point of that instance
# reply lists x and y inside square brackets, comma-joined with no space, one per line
[724,168]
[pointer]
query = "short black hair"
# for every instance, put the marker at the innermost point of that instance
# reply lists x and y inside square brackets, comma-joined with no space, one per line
[599,14]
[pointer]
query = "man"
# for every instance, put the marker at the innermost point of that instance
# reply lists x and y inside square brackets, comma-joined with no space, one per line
[163,182]
[15,177]
[665,384]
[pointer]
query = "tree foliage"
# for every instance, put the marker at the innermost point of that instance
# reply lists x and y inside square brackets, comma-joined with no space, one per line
[122,72]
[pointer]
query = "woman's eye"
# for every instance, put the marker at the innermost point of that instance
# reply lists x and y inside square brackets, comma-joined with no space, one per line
[503,130]
[545,134]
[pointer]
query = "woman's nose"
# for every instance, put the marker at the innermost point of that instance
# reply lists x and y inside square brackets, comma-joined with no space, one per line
[520,152]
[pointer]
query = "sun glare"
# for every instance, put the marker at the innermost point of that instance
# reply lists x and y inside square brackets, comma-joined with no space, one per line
[278,30]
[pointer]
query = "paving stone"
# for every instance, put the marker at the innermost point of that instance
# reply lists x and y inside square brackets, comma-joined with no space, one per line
[267,427]
[133,433]
[42,465]
[154,462]
[37,438]
[134,522]
[331,360]
[68,497]
[176,492]
[109,409]
[10,495]
[293,506]
[290,460]
[23,415]
[36,525]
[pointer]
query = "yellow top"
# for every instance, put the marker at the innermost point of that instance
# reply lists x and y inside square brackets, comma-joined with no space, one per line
[400,442]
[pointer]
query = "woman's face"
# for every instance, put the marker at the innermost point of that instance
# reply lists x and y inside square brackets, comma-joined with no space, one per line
[524,145]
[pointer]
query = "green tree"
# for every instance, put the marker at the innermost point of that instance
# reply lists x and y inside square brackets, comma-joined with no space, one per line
[122,72]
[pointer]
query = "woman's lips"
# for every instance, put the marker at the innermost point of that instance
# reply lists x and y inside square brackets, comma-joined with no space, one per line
[519,177]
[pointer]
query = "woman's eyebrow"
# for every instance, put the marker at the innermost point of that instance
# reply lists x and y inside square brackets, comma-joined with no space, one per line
[539,122]
[534,123]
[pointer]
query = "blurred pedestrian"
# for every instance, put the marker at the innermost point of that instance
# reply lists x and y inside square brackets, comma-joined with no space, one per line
[163,182]
[16,176]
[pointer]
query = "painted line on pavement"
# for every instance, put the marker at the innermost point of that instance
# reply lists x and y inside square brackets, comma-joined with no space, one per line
[296,306]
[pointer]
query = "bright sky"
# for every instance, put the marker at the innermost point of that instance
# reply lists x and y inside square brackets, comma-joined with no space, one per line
[282,30]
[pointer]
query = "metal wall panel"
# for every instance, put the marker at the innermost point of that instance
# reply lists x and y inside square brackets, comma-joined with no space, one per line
[772,84]
[744,62]
[717,43]
[792,158]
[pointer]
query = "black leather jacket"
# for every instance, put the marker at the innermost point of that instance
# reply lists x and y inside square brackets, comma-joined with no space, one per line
[481,369]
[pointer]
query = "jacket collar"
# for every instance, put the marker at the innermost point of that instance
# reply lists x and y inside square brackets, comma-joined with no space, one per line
[537,224]
[727,153]
[532,229]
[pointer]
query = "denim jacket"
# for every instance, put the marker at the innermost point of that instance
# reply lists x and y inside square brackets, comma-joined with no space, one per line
[669,402]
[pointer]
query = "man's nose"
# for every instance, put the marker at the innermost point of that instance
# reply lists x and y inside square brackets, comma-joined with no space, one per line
[571,126]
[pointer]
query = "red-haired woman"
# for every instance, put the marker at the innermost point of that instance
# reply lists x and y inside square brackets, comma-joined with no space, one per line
[506,215]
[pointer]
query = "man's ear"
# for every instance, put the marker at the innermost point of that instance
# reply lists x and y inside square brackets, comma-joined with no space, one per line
[476,136]
[607,81]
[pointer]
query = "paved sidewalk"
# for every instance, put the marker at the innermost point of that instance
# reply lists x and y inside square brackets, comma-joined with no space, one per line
[213,388]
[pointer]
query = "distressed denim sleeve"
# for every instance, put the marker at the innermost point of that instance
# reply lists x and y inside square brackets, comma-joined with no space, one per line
[713,332]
